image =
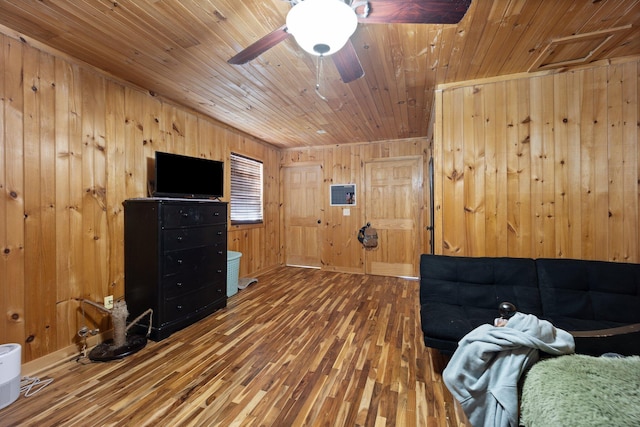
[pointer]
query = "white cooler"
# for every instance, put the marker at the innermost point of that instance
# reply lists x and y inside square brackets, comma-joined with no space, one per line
[10,358]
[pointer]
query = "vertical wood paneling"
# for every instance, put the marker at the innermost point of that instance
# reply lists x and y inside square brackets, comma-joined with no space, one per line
[69,317]
[570,182]
[135,163]
[89,232]
[116,188]
[97,203]
[587,165]
[498,134]
[524,125]
[561,164]
[4,291]
[490,170]
[64,305]
[547,155]
[454,240]
[438,160]
[601,164]
[537,172]
[39,232]
[573,216]
[630,134]
[75,145]
[616,165]
[514,224]
[476,201]
[12,230]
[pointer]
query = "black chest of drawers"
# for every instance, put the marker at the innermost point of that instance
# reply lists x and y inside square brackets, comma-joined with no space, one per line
[175,254]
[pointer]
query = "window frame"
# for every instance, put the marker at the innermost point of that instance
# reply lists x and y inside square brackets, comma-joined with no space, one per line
[259,219]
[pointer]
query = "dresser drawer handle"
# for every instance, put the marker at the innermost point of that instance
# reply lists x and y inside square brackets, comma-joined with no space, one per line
[216,214]
[219,233]
[179,239]
[178,307]
[179,262]
[219,271]
[179,284]
[185,215]
[220,252]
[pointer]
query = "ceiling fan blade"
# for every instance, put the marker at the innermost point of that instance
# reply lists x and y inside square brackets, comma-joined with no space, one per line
[261,46]
[416,11]
[348,63]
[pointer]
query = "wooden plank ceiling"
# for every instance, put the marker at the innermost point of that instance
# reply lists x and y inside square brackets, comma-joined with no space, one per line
[179,49]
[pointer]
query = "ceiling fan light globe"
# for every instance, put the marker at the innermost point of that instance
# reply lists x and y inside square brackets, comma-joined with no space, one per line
[318,24]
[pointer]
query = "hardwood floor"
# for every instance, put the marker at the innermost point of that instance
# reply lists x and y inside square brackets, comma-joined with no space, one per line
[300,347]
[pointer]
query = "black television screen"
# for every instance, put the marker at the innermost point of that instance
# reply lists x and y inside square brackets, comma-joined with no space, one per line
[190,177]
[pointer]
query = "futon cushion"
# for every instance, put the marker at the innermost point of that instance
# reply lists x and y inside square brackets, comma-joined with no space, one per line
[444,324]
[467,291]
[480,282]
[584,295]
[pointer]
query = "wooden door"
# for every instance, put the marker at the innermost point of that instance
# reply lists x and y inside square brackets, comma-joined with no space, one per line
[393,202]
[303,215]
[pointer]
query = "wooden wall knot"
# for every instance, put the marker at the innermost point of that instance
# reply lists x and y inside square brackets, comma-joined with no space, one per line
[455,175]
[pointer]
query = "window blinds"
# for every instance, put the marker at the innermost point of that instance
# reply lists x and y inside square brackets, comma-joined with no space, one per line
[246,190]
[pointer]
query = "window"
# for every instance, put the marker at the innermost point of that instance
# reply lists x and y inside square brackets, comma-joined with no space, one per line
[246,190]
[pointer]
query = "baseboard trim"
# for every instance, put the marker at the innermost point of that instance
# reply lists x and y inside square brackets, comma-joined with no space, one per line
[45,363]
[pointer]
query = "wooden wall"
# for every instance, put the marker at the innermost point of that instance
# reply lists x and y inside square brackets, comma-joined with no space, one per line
[545,166]
[344,164]
[74,145]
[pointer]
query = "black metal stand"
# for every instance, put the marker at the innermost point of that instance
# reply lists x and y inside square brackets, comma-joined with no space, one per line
[106,351]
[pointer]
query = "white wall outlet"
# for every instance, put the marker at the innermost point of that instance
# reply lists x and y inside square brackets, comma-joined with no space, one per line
[346,212]
[108,302]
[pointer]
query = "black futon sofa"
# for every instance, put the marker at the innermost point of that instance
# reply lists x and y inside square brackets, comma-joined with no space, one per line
[597,301]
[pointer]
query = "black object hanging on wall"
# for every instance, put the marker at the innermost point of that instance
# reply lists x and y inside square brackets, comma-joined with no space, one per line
[368,236]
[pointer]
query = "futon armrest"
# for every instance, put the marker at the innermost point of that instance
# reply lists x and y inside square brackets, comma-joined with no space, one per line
[620,330]
[623,340]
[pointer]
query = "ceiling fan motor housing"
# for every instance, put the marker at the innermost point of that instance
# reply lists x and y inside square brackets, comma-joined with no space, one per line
[322,27]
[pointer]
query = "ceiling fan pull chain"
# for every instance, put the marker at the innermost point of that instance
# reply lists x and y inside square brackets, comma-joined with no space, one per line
[318,72]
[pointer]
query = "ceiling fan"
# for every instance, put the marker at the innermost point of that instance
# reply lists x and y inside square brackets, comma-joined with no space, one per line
[324,27]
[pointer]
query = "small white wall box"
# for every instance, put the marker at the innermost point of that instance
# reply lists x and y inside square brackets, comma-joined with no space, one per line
[10,358]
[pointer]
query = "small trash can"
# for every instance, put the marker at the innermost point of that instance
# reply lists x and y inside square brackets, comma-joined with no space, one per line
[233,271]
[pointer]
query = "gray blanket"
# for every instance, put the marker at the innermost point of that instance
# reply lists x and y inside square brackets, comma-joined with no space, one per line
[484,371]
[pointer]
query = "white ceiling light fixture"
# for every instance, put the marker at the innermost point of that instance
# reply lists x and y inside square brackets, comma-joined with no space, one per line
[322,27]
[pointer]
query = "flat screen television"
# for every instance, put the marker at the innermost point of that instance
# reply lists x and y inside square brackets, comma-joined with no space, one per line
[187,177]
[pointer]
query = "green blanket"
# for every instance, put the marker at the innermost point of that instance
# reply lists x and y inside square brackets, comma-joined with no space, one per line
[580,390]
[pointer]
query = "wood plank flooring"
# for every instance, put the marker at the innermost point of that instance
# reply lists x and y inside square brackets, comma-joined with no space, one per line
[301,347]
